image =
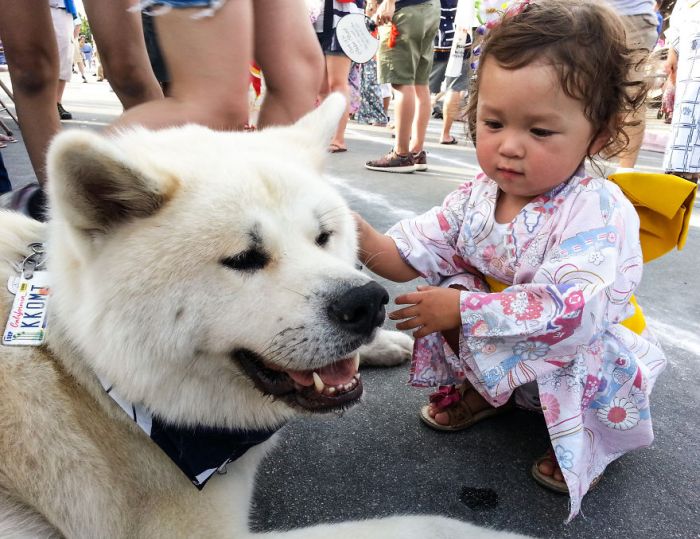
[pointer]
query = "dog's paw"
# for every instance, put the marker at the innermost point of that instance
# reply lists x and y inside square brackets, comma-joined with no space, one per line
[388,348]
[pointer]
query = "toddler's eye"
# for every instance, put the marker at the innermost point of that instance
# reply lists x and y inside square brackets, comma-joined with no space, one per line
[493,124]
[539,132]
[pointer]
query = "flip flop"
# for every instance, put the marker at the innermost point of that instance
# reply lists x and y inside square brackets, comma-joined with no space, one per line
[460,414]
[448,142]
[548,481]
[334,148]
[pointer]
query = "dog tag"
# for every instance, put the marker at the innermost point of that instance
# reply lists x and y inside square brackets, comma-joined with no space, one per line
[13,284]
[26,325]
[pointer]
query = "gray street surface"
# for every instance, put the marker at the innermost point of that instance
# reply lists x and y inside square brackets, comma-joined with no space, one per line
[378,458]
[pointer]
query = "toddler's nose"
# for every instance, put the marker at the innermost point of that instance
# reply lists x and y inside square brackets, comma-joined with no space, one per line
[512,145]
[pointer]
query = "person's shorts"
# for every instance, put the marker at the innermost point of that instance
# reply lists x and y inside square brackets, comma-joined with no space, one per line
[641,37]
[77,55]
[207,8]
[329,43]
[327,39]
[456,84]
[63,28]
[179,4]
[385,90]
[410,60]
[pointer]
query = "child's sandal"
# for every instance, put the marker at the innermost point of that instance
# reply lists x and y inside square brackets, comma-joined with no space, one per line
[548,481]
[451,400]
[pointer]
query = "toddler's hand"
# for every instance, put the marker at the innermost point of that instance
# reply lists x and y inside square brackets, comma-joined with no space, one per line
[431,309]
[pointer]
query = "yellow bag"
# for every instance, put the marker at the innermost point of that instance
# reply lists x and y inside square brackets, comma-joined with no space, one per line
[664,204]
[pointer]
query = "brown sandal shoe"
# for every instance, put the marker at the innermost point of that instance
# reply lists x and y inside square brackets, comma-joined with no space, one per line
[461,416]
[548,481]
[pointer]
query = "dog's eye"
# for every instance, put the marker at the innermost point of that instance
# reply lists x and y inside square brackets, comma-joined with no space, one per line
[322,238]
[248,260]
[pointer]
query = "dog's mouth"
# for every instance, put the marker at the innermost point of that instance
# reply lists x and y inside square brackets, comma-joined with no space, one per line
[325,389]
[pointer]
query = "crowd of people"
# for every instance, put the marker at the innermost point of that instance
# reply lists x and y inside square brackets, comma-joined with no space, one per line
[415,43]
[532,264]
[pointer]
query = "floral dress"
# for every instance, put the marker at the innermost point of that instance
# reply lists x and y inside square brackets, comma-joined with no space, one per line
[371,101]
[572,260]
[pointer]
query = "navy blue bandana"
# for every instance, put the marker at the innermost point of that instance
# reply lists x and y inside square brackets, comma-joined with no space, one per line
[198,451]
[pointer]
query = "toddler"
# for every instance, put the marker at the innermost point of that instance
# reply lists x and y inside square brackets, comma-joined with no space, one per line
[533,263]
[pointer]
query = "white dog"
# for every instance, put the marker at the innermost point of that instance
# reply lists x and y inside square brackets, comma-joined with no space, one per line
[203,282]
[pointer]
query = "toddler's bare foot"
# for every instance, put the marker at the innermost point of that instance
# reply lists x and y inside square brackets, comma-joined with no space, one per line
[550,467]
[470,397]
[545,470]
[458,408]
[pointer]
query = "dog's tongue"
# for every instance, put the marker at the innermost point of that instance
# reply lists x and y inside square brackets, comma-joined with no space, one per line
[340,372]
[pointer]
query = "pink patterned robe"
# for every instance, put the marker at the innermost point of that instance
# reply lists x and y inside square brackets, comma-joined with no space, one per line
[573,259]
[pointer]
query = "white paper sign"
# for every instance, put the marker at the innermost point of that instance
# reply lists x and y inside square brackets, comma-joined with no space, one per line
[355,39]
[464,21]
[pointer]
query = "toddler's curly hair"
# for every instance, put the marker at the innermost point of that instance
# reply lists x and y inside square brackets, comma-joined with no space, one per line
[585,42]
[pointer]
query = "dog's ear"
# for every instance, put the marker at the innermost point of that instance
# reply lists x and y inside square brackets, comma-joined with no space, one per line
[315,130]
[93,186]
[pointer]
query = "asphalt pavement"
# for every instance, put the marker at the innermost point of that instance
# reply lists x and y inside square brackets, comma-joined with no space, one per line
[378,459]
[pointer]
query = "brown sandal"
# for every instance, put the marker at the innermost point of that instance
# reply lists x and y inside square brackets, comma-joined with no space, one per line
[548,481]
[451,400]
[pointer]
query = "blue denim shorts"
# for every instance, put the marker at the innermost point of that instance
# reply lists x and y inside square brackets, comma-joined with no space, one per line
[154,7]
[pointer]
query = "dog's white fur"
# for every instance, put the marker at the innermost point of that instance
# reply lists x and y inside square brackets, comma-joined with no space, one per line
[139,226]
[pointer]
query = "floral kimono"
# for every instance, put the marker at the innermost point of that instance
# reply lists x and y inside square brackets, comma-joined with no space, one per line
[571,260]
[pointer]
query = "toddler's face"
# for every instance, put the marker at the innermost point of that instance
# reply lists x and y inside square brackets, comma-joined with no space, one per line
[530,135]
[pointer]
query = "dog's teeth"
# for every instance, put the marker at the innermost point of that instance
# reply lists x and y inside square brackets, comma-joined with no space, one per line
[356,361]
[331,390]
[318,383]
[347,387]
[357,376]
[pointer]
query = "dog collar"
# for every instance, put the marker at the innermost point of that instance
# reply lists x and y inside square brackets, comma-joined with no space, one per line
[200,451]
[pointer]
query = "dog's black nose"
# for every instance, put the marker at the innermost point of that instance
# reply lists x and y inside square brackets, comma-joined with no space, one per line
[361,309]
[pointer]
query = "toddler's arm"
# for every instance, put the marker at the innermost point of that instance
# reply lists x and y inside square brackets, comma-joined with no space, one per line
[379,253]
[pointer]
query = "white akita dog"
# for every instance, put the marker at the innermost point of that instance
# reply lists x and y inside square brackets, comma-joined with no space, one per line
[207,287]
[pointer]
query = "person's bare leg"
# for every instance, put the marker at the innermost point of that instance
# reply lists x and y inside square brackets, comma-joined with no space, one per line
[449,112]
[325,88]
[30,47]
[628,158]
[208,60]
[81,70]
[123,51]
[338,68]
[421,118]
[404,109]
[293,68]
[60,88]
